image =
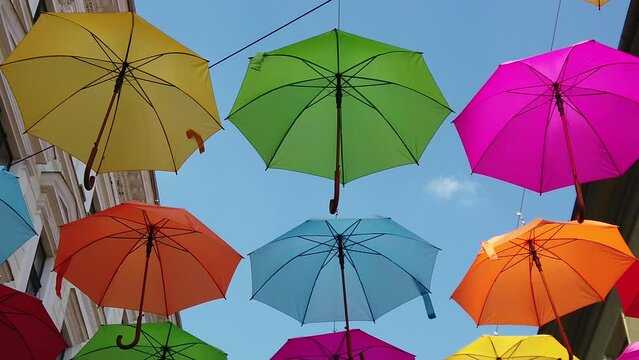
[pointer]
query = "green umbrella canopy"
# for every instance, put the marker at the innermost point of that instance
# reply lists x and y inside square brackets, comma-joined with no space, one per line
[163,341]
[390,106]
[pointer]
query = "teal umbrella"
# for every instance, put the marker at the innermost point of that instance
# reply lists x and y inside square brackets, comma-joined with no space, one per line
[162,341]
[339,106]
[15,222]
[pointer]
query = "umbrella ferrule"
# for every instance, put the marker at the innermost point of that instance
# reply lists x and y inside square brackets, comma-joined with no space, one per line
[533,254]
[120,80]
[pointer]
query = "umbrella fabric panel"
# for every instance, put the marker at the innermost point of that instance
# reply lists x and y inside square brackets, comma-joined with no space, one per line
[327,346]
[506,287]
[182,242]
[628,290]
[631,352]
[538,347]
[516,109]
[15,221]
[164,81]
[26,329]
[385,266]
[157,339]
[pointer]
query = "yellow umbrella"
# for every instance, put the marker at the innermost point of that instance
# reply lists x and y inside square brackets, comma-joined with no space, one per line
[538,347]
[111,87]
[597,2]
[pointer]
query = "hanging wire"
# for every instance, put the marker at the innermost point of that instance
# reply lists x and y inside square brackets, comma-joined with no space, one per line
[554,31]
[269,34]
[520,214]
[339,14]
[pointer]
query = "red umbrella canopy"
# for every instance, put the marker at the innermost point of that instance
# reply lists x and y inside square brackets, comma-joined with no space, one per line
[628,289]
[26,330]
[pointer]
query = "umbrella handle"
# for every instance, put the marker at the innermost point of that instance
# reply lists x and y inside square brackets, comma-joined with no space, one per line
[136,339]
[190,133]
[332,206]
[89,180]
[581,205]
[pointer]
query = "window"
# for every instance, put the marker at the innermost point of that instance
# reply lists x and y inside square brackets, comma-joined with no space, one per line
[37,268]
[5,153]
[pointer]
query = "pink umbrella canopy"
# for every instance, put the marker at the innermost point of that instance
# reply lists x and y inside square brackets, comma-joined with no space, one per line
[631,352]
[333,347]
[628,289]
[545,122]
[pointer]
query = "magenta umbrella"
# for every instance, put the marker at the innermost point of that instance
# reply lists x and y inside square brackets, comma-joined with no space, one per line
[566,117]
[333,347]
[631,352]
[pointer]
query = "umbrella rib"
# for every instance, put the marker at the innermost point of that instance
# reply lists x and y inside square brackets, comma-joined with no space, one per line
[273,90]
[576,272]
[154,57]
[306,107]
[319,271]
[596,69]
[387,122]
[20,216]
[284,264]
[551,110]
[368,303]
[150,103]
[106,143]
[179,89]
[83,59]
[483,307]
[374,57]
[33,316]
[521,112]
[305,61]
[135,246]
[401,86]
[88,85]
[26,343]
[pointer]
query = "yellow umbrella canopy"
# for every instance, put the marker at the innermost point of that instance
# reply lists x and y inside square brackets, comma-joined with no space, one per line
[538,347]
[112,87]
[597,2]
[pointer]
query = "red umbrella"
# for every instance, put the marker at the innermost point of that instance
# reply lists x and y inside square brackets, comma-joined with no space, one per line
[26,330]
[628,289]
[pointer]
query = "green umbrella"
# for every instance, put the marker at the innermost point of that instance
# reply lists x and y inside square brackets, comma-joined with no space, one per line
[163,341]
[339,106]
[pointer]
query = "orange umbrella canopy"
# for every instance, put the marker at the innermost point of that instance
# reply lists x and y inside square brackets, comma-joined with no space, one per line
[104,255]
[580,262]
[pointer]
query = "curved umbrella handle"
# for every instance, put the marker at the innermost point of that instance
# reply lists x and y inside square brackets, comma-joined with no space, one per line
[136,339]
[89,180]
[581,205]
[190,133]
[332,205]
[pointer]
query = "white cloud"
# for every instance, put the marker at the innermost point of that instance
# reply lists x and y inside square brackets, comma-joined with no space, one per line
[449,187]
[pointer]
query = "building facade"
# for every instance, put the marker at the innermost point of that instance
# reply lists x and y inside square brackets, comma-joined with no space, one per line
[601,331]
[51,182]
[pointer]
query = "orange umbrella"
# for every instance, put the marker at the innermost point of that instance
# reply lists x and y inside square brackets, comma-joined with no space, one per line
[121,254]
[542,271]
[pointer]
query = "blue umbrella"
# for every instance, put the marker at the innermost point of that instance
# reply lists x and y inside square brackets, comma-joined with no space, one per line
[15,222]
[341,270]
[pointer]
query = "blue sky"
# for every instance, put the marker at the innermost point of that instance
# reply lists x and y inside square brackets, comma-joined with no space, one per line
[228,189]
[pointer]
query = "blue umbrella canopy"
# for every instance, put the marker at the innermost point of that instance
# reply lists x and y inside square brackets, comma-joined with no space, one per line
[384,266]
[15,222]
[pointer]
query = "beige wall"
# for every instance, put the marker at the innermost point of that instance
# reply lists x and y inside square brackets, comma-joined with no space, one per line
[51,184]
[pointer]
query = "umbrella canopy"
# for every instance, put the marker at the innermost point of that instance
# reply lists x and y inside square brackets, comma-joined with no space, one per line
[333,347]
[15,220]
[26,330]
[542,271]
[560,118]
[119,255]
[631,352]
[628,289]
[339,106]
[112,88]
[159,342]
[380,263]
[538,347]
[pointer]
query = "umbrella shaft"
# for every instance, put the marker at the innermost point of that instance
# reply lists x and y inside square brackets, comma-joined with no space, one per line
[340,255]
[338,102]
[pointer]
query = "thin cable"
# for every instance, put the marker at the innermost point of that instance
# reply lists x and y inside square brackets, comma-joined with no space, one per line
[520,213]
[269,34]
[339,14]
[554,32]
[32,155]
